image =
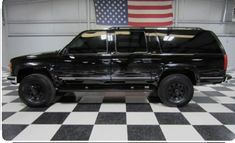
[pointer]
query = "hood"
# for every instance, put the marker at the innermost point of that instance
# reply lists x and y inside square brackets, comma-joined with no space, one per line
[43,55]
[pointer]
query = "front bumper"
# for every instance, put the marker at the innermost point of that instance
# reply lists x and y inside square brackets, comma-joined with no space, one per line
[227,77]
[13,79]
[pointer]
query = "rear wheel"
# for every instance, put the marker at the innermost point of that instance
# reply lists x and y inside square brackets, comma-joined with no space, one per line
[37,90]
[175,90]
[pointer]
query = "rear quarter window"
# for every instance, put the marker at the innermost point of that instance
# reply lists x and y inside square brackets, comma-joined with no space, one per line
[187,41]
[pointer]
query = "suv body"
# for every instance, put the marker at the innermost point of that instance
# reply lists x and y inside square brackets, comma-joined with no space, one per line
[124,57]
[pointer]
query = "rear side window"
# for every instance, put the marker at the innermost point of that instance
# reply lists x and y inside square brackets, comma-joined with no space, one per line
[153,42]
[89,42]
[130,41]
[186,41]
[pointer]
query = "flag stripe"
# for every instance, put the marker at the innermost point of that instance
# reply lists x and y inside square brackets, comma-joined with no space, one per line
[136,24]
[150,15]
[134,11]
[150,7]
[149,3]
[143,20]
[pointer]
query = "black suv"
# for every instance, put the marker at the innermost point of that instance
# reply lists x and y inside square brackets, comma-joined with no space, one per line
[168,60]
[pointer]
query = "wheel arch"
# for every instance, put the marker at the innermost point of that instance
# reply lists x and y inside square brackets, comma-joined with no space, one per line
[190,73]
[28,71]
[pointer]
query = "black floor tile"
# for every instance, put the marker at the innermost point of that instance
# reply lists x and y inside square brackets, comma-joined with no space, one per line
[10,88]
[203,100]
[225,118]
[17,100]
[215,132]
[171,118]
[73,132]
[230,106]
[6,84]
[51,118]
[222,89]
[111,118]
[9,132]
[191,108]
[138,107]
[13,93]
[144,132]
[87,107]
[213,93]
[5,115]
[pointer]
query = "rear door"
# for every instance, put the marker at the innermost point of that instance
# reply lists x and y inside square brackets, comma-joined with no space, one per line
[130,60]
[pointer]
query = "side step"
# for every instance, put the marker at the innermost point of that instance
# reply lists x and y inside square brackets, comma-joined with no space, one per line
[90,87]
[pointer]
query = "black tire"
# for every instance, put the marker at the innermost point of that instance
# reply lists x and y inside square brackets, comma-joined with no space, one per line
[37,90]
[175,90]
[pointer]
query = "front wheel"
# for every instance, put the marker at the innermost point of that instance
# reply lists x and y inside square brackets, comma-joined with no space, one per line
[37,90]
[175,90]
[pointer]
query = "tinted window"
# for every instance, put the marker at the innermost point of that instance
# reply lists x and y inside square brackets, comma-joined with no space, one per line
[153,44]
[187,41]
[130,41]
[89,42]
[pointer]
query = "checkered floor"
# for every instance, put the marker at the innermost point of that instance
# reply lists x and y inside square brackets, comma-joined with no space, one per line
[121,116]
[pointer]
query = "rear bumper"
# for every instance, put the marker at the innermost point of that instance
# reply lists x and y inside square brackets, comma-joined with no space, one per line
[13,79]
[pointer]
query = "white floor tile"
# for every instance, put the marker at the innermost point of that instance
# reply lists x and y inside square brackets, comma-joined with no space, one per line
[139,118]
[22,118]
[62,107]
[81,118]
[109,132]
[38,132]
[214,107]
[228,93]
[7,99]
[157,107]
[198,93]
[113,107]
[231,128]
[201,118]
[13,107]
[223,99]
[4,92]
[204,88]
[180,132]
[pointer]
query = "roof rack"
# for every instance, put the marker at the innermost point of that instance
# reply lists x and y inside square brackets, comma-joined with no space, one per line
[158,28]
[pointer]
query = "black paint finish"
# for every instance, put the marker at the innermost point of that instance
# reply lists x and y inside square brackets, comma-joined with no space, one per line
[94,57]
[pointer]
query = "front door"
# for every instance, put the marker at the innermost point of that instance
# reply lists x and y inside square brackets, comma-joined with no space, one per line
[86,59]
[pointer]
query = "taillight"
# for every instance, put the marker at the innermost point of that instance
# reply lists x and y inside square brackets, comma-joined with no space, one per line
[225,62]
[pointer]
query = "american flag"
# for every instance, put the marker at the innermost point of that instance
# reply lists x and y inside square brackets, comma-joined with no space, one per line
[139,13]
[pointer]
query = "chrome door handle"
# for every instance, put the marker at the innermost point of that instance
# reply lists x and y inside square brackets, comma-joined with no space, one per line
[85,62]
[197,60]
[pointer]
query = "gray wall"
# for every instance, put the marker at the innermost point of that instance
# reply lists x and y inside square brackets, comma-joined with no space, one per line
[45,25]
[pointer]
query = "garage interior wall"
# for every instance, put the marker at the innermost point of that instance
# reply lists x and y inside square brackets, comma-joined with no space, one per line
[31,26]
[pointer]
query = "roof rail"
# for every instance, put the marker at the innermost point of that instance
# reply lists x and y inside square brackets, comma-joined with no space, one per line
[158,28]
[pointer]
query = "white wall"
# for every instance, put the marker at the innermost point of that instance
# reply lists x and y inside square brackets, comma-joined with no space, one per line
[45,25]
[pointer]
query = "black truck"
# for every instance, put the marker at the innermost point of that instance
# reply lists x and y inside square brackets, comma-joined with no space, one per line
[168,60]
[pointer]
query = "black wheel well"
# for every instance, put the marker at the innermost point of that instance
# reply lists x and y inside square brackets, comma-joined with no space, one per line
[188,73]
[28,71]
